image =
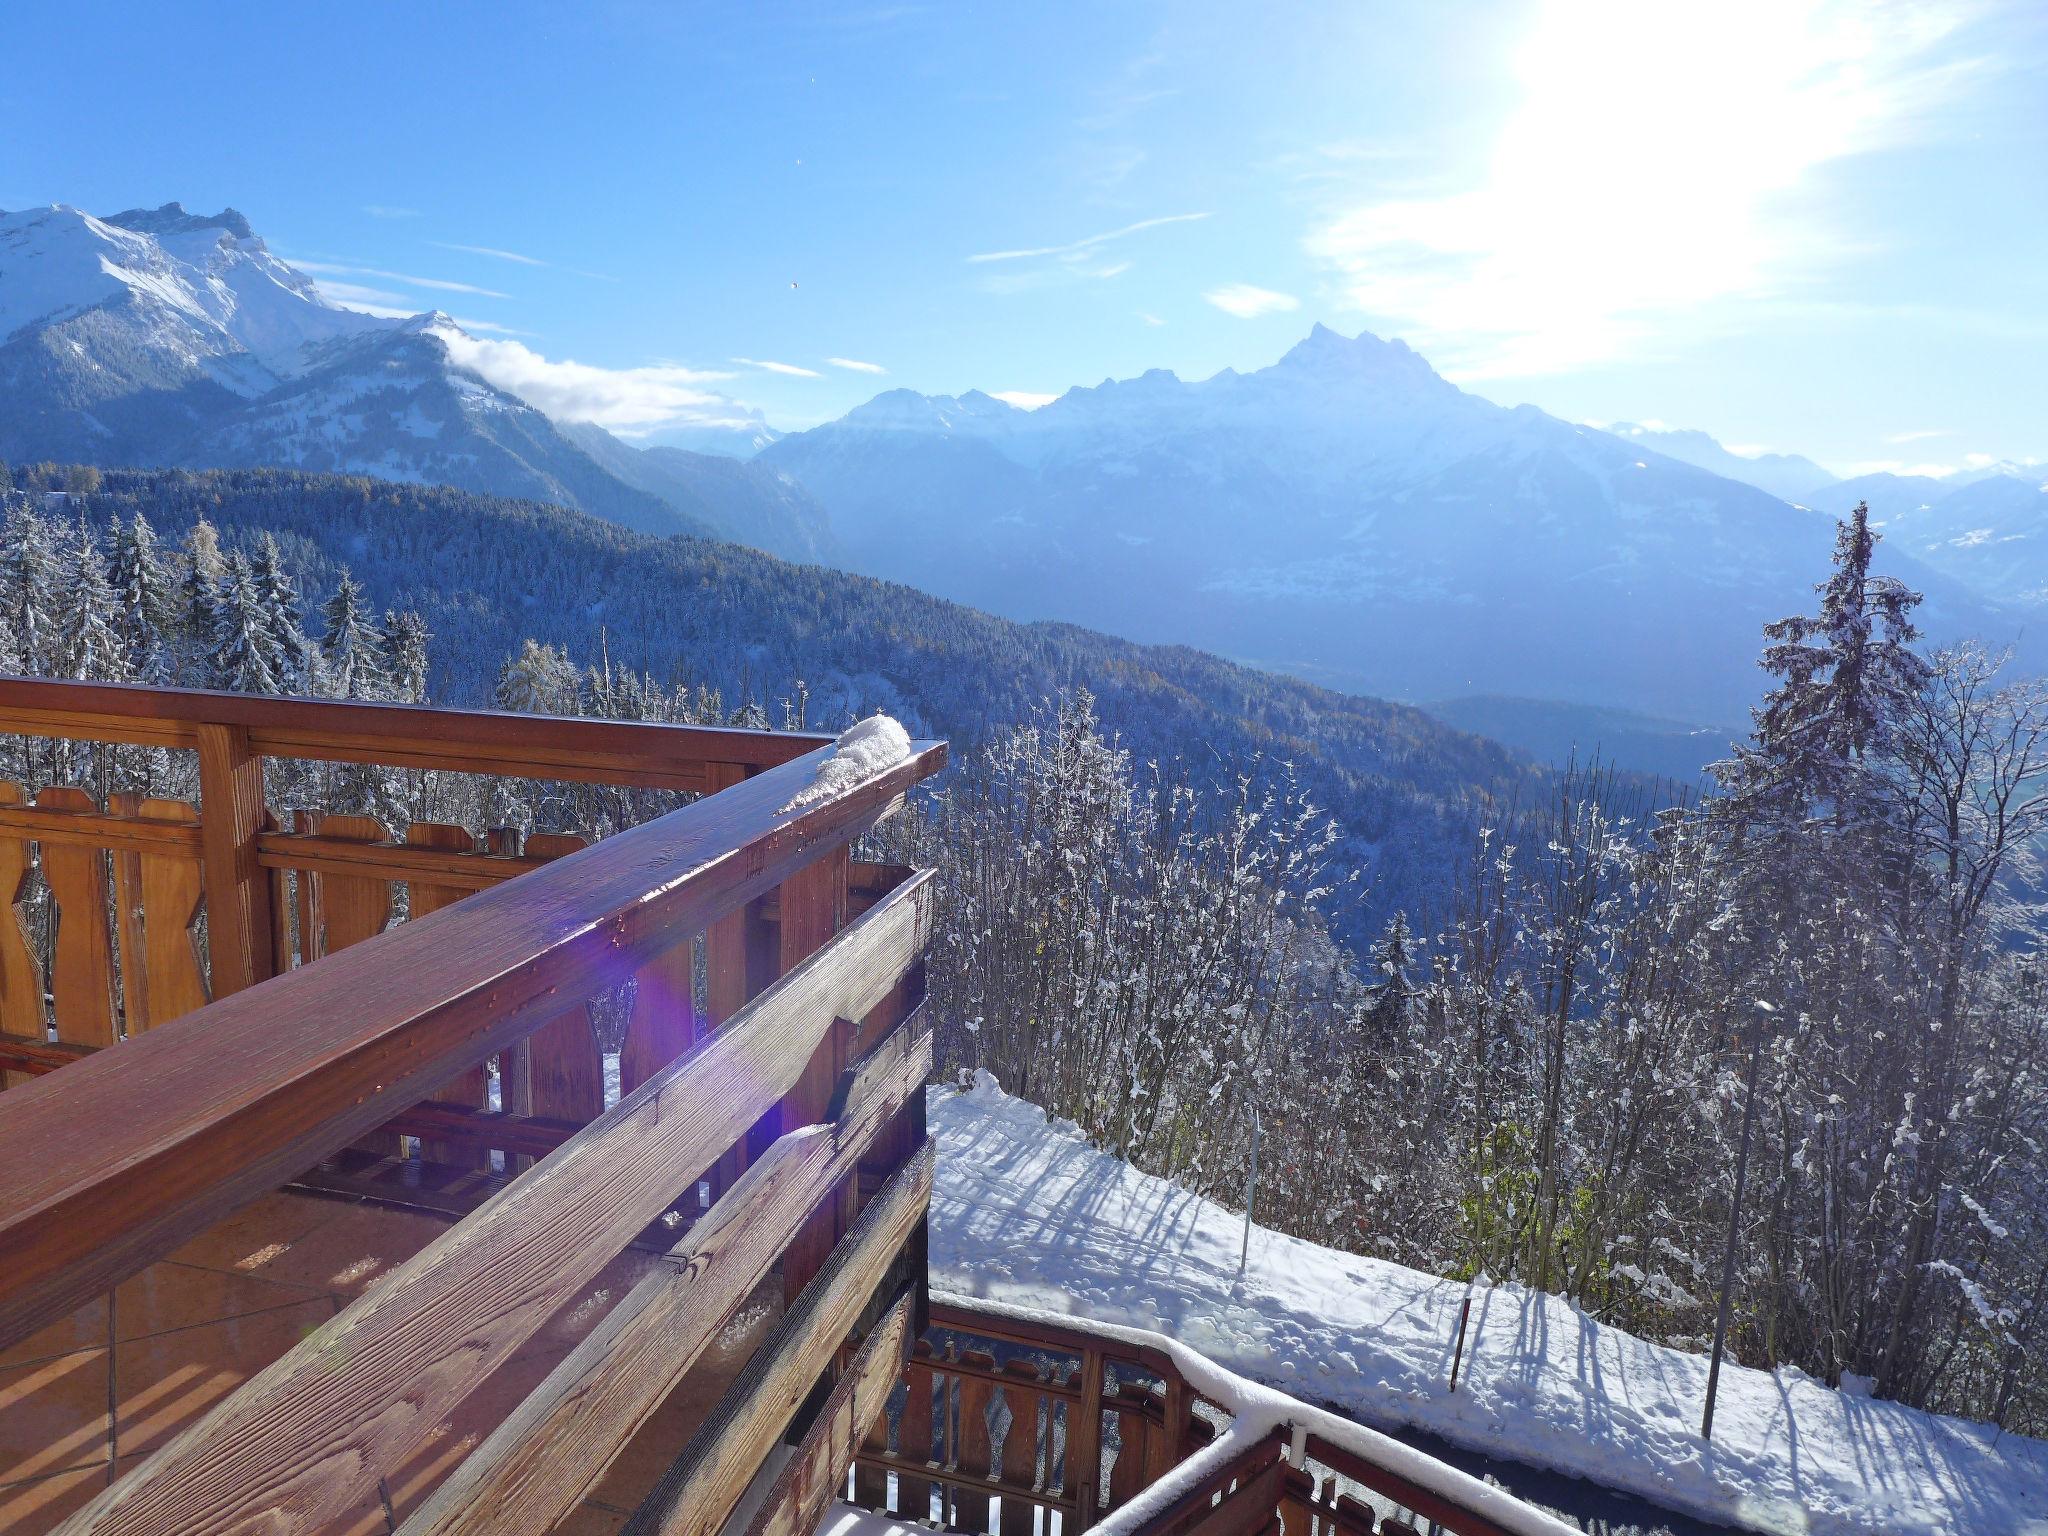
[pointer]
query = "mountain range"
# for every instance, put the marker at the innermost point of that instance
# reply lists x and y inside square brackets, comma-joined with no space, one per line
[1349,516]
[1345,515]
[161,337]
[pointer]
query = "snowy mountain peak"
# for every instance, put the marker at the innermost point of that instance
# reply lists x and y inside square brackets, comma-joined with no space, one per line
[172,218]
[1328,354]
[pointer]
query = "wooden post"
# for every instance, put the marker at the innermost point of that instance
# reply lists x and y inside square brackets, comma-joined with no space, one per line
[238,909]
[1082,1480]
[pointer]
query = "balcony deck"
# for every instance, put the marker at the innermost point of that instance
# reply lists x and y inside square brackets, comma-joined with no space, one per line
[316,1220]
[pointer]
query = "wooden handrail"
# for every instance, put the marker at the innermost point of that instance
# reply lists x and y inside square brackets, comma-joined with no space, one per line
[623,752]
[118,1157]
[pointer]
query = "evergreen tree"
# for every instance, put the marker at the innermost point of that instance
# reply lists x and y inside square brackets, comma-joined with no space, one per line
[1848,676]
[405,655]
[28,587]
[1392,990]
[145,600]
[298,660]
[200,606]
[86,644]
[352,649]
[245,657]
[540,680]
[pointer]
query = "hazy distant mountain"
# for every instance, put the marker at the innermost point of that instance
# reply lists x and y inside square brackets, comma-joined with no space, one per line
[1788,476]
[162,337]
[1986,527]
[745,502]
[1345,515]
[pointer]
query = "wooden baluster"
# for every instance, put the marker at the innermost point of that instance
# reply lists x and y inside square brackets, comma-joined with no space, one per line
[21,974]
[82,965]
[238,888]
[1354,1517]
[169,966]
[1127,1476]
[472,1086]
[351,908]
[565,1071]
[976,1458]
[1020,1448]
[663,1024]
[128,939]
[920,1438]
[1297,1501]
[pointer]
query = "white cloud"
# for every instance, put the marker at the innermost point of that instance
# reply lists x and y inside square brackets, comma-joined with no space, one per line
[491,251]
[1660,158]
[856,366]
[371,301]
[1023,399]
[1919,436]
[1083,247]
[623,399]
[1248,303]
[790,370]
[1150,319]
[438,283]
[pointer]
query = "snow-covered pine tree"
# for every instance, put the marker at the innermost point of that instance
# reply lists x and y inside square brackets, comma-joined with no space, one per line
[28,587]
[146,602]
[351,648]
[406,659]
[86,647]
[298,659]
[245,657]
[199,607]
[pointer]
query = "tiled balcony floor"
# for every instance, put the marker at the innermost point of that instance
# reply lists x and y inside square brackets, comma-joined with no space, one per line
[92,1395]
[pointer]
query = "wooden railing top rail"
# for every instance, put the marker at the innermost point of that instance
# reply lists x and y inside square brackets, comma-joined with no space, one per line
[117,1158]
[624,752]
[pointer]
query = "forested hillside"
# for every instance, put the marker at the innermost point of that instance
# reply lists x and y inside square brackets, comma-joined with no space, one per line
[488,574]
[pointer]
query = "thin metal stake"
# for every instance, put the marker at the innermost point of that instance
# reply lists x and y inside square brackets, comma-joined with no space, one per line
[1756,1056]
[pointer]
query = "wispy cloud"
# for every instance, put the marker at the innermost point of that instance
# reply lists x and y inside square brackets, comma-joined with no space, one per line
[371,301]
[855,366]
[1085,246]
[626,399]
[492,251]
[1149,318]
[1248,303]
[1919,436]
[439,284]
[1023,399]
[387,211]
[1623,194]
[791,370]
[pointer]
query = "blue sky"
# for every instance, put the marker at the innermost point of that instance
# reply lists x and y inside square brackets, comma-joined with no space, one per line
[1809,227]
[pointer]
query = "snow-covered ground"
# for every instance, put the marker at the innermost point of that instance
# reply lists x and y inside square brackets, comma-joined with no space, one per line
[1026,1212]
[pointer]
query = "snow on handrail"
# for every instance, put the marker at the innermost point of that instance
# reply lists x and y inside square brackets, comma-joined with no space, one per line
[1258,1412]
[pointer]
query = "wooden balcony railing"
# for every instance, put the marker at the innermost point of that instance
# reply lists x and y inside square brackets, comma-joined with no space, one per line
[1005,1421]
[774,1053]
